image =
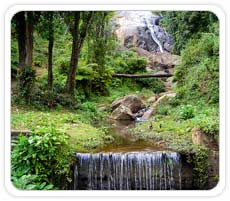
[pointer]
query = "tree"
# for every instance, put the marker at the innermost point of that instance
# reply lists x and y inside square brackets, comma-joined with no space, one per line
[184,25]
[50,50]
[29,39]
[26,75]
[79,33]
[100,42]
[21,36]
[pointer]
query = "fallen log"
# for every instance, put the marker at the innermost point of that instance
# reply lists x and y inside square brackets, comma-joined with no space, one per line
[142,75]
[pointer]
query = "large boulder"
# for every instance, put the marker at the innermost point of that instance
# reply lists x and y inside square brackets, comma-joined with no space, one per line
[122,113]
[133,102]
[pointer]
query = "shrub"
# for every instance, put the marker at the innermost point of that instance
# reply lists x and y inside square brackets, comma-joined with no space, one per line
[44,153]
[128,62]
[186,112]
[163,110]
[198,75]
[26,76]
[156,85]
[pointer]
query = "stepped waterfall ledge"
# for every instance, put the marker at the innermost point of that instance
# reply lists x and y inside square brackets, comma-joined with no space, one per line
[128,171]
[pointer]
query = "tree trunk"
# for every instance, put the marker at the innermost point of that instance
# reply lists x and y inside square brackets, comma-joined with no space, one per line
[29,39]
[78,40]
[133,76]
[21,36]
[70,84]
[50,51]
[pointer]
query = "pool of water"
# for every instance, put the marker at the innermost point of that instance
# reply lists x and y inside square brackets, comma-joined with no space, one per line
[125,141]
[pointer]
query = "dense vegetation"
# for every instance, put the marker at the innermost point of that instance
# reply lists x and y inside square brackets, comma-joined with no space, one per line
[62,65]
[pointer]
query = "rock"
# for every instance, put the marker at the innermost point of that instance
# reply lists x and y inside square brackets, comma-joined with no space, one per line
[133,102]
[200,138]
[160,59]
[142,29]
[152,99]
[122,113]
[164,96]
[115,104]
[148,114]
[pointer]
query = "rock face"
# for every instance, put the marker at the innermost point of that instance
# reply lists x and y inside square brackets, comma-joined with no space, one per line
[133,102]
[160,59]
[122,113]
[142,29]
[124,108]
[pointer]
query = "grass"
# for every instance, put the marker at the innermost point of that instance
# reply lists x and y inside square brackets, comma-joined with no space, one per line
[174,131]
[83,136]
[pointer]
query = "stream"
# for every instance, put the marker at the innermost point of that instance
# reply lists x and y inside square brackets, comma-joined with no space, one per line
[128,164]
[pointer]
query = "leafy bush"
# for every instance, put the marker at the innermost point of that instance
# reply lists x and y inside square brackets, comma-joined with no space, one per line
[26,76]
[127,62]
[163,110]
[156,85]
[209,124]
[198,75]
[30,182]
[186,112]
[47,155]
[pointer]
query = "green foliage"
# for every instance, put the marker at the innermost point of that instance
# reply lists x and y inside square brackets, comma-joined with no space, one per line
[184,25]
[30,182]
[201,164]
[198,75]
[47,155]
[186,112]
[128,62]
[26,76]
[163,110]
[14,57]
[155,85]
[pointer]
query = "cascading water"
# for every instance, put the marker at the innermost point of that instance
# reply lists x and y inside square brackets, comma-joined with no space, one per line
[142,29]
[150,25]
[128,171]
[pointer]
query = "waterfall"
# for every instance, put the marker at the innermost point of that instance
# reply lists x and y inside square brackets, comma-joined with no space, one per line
[150,26]
[128,171]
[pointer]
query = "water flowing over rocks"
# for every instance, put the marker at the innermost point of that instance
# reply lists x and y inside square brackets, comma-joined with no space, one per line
[128,171]
[142,29]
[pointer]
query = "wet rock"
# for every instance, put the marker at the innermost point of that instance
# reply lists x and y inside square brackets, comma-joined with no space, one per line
[148,114]
[122,113]
[142,29]
[133,102]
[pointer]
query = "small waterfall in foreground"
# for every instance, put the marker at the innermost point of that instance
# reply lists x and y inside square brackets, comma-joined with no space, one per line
[128,171]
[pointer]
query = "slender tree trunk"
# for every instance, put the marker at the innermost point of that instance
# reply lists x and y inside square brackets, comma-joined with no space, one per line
[70,84]
[21,35]
[50,51]
[29,39]
[78,40]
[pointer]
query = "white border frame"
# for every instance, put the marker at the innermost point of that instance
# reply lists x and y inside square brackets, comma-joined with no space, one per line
[16,8]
